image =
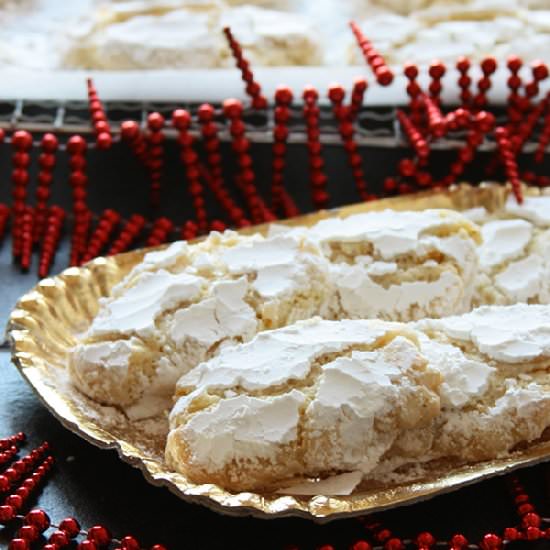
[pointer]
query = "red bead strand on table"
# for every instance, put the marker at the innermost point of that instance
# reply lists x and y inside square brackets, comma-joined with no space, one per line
[21,143]
[128,234]
[336,95]
[253,89]
[488,68]
[482,123]
[4,218]
[101,126]
[410,70]
[246,179]
[155,155]
[525,129]
[27,224]
[360,86]
[50,241]
[544,140]
[161,229]
[383,74]
[181,119]
[415,138]
[76,148]
[280,199]
[509,160]
[131,133]
[79,237]
[514,64]
[436,71]
[436,121]
[317,176]
[464,80]
[100,237]
[46,161]
[539,70]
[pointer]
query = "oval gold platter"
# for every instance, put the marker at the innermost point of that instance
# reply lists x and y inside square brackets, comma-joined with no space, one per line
[46,321]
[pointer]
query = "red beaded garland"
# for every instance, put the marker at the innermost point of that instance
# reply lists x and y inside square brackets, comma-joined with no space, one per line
[253,89]
[360,86]
[128,234]
[26,235]
[155,155]
[21,144]
[181,119]
[488,67]
[190,158]
[383,74]
[50,242]
[318,178]
[280,199]
[410,70]
[246,179]
[436,71]
[464,81]
[509,159]
[336,94]
[102,129]
[46,161]
[415,138]
[4,217]
[76,148]
[159,232]
[107,223]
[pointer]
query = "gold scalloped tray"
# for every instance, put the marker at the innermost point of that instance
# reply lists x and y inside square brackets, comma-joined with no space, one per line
[46,321]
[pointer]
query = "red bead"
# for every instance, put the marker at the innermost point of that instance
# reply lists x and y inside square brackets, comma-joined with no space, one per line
[529,520]
[410,70]
[20,176]
[425,539]
[15,501]
[70,526]
[181,119]
[100,535]
[310,94]
[361,545]
[158,547]
[104,140]
[38,518]
[539,69]
[76,145]
[4,484]
[437,69]
[88,544]
[384,76]
[336,93]
[533,533]
[514,63]
[383,535]
[489,65]
[50,547]
[19,544]
[28,532]
[23,492]
[510,533]
[129,130]
[394,544]
[59,538]
[491,542]
[232,108]
[129,543]
[22,139]
[7,513]
[283,95]
[155,121]
[459,541]
[406,167]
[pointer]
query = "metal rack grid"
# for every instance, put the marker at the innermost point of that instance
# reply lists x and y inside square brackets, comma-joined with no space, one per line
[376,127]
